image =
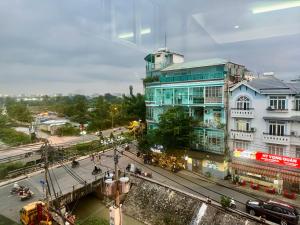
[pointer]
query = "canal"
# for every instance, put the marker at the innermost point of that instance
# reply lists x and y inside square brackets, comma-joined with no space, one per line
[91,206]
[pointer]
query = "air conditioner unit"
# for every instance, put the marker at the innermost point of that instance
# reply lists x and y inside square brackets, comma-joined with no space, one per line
[293,133]
[253,129]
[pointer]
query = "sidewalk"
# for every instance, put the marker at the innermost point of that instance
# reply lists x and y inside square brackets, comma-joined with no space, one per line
[254,194]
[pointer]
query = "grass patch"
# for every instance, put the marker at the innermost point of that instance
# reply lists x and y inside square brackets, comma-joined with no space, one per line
[93,221]
[12,137]
[5,168]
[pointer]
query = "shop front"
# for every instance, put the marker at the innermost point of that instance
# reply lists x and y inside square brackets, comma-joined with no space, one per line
[211,165]
[275,171]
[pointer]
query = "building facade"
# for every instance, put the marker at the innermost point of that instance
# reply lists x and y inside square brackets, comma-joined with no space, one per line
[200,87]
[264,131]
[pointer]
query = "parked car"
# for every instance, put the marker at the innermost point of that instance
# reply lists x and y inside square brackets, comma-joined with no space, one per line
[274,211]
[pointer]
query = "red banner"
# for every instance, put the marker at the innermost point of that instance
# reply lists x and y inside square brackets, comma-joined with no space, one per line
[278,159]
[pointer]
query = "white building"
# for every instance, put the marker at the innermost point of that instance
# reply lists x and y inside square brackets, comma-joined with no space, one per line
[265,117]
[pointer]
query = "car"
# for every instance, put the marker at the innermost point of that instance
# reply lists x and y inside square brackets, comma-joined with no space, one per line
[275,211]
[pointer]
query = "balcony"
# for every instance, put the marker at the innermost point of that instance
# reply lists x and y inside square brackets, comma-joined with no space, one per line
[240,113]
[242,135]
[272,109]
[276,139]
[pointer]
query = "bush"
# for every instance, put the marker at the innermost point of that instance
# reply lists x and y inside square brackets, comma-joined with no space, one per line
[7,167]
[67,130]
[225,201]
[13,138]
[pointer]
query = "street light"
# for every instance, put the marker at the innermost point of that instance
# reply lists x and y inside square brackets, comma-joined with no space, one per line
[114,109]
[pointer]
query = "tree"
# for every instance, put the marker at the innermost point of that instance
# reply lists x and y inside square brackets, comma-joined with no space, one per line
[174,129]
[18,111]
[100,117]
[134,106]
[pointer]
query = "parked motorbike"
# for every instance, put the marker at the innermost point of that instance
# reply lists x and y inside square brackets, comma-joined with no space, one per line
[232,204]
[96,171]
[75,164]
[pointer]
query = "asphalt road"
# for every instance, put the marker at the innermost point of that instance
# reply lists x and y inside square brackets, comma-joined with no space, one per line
[184,180]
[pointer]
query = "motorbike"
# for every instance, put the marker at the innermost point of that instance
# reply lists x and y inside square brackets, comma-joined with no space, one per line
[75,164]
[96,171]
[232,204]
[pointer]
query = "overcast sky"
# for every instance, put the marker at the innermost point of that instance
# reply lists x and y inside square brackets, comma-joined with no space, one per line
[92,46]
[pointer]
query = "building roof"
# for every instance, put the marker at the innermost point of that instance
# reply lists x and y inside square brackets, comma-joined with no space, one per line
[269,84]
[195,64]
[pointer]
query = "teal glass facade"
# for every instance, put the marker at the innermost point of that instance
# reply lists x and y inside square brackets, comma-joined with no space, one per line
[199,87]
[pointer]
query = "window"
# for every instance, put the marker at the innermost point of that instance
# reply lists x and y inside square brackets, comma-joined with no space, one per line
[297,104]
[243,125]
[277,128]
[240,145]
[277,102]
[277,209]
[243,103]
[276,149]
[196,95]
[298,152]
[149,113]
[213,94]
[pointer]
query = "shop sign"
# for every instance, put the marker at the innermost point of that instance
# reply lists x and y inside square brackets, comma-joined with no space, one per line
[278,159]
[238,153]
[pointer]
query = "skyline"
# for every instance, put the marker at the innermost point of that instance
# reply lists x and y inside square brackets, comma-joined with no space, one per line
[98,46]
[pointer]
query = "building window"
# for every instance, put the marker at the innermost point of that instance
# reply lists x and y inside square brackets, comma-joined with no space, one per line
[243,125]
[297,104]
[298,152]
[276,128]
[277,102]
[213,94]
[276,149]
[196,95]
[240,145]
[243,103]
[149,113]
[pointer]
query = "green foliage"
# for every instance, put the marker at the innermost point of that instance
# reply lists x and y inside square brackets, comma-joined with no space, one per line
[7,167]
[134,107]
[67,130]
[12,137]
[225,201]
[150,79]
[93,221]
[3,121]
[174,129]
[18,111]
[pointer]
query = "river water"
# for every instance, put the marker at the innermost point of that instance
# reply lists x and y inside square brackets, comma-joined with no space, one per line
[91,206]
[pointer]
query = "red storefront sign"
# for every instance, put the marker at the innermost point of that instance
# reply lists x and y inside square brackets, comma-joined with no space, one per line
[278,159]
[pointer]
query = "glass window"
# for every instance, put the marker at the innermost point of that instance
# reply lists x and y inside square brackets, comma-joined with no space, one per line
[243,125]
[276,149]
[277,209]
[181,96]
[149,113]
[297,103]
[243,103]
[241,145]
[213,94]
[277,102]
[196,95]
[277,128]
[267,206]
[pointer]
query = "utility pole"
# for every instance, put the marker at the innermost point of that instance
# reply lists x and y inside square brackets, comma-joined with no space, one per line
[115,211]
[47,206]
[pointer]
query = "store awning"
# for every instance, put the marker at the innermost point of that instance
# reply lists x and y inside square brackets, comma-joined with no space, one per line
[266,171]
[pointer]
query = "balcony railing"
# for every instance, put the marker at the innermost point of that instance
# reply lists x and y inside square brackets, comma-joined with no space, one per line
[276,139]
[271,109]
[241,113]
[200,76]
[242,135]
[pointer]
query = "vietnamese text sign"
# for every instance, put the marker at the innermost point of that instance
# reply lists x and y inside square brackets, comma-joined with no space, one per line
[278,159]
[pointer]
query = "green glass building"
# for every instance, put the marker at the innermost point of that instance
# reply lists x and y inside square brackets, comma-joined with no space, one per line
[201,87]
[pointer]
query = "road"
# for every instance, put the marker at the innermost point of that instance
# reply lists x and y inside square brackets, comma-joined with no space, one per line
[18,152]
[184,180]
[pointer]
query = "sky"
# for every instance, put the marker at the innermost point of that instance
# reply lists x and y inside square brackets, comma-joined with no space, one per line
[98,46]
